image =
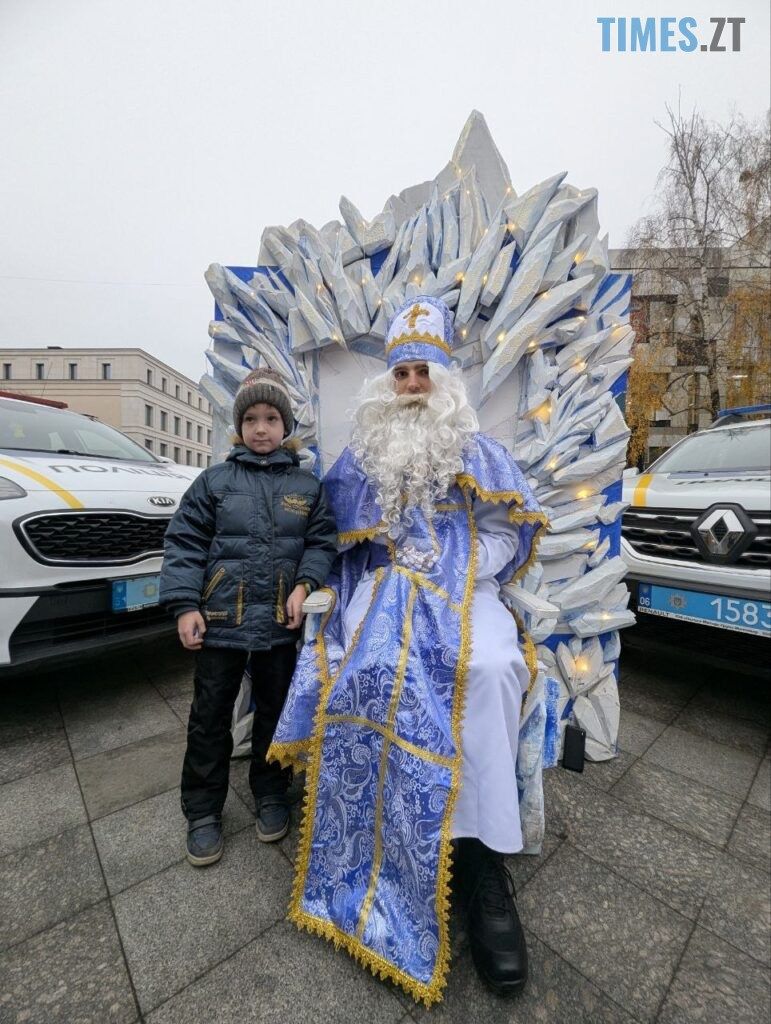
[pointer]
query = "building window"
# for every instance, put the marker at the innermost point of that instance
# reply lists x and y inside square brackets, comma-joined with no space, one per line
[40,371]
[148,444]
[208,460]
[189,457]
[198,459]
[177,425]
[199,434]
[190,398]
[7,371]
[148,415]
[106,371]
[163,383]
[73,371]
[150,377]
[200,403]
[717,287]
[189,430]
[208,438]
[164,449]
[177,457]
[176,390]
[164,421]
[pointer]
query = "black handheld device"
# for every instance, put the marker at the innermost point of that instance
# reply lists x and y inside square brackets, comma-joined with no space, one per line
[573,750]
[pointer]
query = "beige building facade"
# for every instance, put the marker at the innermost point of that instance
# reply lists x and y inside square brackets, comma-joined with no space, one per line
[153,404]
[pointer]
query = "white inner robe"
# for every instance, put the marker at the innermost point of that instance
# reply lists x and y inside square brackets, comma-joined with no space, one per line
[487,807]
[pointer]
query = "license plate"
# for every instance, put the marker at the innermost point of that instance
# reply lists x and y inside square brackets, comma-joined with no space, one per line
[709,609]
[134,593]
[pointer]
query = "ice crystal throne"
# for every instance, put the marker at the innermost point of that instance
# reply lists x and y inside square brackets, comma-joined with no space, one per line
[543,337]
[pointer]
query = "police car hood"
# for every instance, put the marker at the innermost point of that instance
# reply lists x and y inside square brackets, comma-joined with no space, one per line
[97,482]
[697,491]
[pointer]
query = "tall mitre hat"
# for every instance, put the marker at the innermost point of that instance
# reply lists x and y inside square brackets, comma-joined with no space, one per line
[420,330]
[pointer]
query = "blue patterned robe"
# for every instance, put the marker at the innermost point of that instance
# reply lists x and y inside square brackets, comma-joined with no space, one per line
[377,725]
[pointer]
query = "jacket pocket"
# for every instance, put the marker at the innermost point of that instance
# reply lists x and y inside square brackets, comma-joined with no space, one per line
[222,600]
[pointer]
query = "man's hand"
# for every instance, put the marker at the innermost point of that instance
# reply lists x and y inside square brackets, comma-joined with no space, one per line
[191,628]
[294,607]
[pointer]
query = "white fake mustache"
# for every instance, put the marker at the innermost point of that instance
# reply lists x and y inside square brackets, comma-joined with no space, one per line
[406,400]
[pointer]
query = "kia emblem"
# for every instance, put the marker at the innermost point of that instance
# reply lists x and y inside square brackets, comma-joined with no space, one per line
[161,501]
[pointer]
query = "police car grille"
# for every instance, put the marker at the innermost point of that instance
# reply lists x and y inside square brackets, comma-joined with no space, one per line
[665,533]
[96,538]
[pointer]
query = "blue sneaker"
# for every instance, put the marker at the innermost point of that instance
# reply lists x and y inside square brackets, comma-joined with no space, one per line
[272,817]
[204,841]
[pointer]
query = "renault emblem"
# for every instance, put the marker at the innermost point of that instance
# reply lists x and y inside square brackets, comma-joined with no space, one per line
[723,532]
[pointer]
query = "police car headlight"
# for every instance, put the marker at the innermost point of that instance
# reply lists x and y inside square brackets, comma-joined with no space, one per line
[9,489]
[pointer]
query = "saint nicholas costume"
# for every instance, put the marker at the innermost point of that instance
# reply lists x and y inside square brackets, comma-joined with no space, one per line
[404,710]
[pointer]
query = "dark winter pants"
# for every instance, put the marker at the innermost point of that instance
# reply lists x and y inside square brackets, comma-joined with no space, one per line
[218,674]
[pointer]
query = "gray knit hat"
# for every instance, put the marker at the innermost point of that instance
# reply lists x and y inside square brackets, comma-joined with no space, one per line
[263,385]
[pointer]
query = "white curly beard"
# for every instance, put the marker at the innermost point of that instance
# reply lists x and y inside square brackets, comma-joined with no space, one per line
[412,446]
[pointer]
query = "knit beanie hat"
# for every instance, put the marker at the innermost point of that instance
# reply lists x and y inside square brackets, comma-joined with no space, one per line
[263,385]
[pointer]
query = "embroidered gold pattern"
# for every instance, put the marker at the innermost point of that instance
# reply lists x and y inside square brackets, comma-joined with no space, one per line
[280,612]
[240,603]
[392,737]
[416,311]
[298,504]
[431,339]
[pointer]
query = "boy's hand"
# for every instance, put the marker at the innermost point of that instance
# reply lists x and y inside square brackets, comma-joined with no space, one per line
[191,628]
[294,607]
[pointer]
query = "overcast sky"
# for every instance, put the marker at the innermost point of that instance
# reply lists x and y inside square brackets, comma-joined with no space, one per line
[141,140]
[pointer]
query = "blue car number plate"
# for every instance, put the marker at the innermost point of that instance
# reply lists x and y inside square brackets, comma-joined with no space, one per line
[134,593]
[709,609]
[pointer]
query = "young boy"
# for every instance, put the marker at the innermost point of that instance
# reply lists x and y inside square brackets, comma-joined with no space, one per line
[253,536]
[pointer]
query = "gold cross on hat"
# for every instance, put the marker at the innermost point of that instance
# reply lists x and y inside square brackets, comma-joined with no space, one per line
[416,311]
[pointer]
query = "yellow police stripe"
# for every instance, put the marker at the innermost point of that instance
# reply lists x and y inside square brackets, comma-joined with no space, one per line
[640,496]
[33,474]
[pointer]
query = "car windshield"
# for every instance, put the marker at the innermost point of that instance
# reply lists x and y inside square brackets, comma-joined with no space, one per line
[30,427]
[734,448]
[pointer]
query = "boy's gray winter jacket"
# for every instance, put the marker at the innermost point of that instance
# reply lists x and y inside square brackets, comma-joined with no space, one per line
[246,532]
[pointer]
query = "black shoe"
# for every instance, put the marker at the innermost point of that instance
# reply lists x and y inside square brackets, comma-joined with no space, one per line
[272,818]
[204,841]
[496,938]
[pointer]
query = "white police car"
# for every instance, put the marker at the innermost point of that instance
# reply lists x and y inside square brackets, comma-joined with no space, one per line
[697,534]
[83,511]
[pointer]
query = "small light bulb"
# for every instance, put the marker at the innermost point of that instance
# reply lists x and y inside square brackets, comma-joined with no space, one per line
[583,493]
[501,336]
[459,276]
[580,365]
[552,464]
[484,278]
[581,664]
[463,333]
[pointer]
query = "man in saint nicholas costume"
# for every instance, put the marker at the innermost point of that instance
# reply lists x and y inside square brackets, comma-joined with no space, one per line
[404,710]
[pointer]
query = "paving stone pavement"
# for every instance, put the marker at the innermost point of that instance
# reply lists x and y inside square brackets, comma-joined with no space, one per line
[649,902]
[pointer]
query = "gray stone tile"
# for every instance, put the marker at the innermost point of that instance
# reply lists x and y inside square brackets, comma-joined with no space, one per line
[734,732]
[110,714]
[176,682]
[651,699]
[47,882]
[703,760]
[24,755]
[73,973]
[604,774]
[132,773]
[29,706]
[183,921]
[624,941]
[522,866]
[699,810]
[637,732]
[760,794]
[738,908]
[141,840]
[39,806]
[555,993]
[751,839]
[737,697]
[284,975]
[666,863]
[715,982]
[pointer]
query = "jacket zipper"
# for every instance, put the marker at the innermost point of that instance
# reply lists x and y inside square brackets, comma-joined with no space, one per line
[213,583]
[240,603]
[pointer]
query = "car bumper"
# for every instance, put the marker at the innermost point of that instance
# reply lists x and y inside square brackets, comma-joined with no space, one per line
[68,619]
